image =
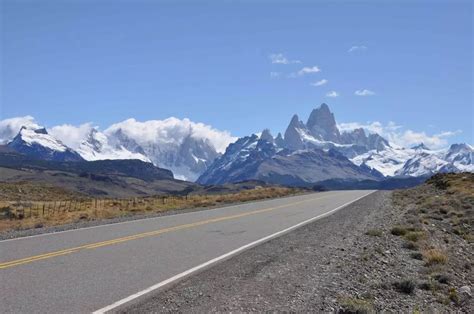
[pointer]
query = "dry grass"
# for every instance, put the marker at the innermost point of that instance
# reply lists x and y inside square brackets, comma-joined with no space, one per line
[31,214]
[27,191]
[374,232]
[434,257]
[356,305]
[414,236]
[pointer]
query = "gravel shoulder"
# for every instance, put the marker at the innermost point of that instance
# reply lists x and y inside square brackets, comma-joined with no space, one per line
[329,265]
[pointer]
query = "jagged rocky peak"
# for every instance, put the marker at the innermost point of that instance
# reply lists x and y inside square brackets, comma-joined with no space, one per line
[462,155]
[359,137]
[195,154]
[279,141]
[322,124]
[421,146]
[356,136]
[95,139]
[39,144]
[267,136]
[377,142]
[38,131]
[119,138]
[461,147]
[293,133]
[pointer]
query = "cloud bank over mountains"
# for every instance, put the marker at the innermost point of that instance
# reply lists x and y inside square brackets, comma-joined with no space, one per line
[181,145]
[399,135]
[172,129]
[169,130]
[10,127]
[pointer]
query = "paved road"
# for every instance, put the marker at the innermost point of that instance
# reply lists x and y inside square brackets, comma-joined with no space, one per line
[89,269]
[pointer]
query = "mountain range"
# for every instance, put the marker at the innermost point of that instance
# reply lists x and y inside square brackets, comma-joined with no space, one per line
[184,147]
[317,151]
[307,153]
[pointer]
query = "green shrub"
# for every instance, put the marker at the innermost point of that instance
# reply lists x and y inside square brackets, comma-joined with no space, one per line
[374,232]
[417,255]
[353,305]
[410,245]
[398,231]
[405,286]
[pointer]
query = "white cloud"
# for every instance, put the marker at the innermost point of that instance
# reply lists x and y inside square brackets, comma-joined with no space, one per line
[71,135]
[308,70]
[305,70]
[275,74]
[332,94]
[364,92]
[357,48]
[9,128]
[279,58]
[319,83]
[400,136]
[172,131]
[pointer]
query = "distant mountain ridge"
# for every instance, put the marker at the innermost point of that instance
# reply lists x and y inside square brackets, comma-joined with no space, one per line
[317,151]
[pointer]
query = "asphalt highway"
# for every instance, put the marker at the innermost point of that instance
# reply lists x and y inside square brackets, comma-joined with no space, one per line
[105,267]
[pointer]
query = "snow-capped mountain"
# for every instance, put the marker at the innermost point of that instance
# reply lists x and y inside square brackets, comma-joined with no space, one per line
[419,160]
[182,146]
[461,156]
[321,131]
[315,151]
[307,152]
[96,146]
[387,161]
[41,145]
[261,158]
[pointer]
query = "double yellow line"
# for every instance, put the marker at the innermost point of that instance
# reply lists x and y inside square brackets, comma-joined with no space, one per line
[143,235]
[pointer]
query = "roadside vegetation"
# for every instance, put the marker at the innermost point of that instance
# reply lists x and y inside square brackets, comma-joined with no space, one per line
[427,249]
[54,206]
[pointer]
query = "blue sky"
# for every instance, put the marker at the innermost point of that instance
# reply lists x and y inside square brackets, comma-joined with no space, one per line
[106,61]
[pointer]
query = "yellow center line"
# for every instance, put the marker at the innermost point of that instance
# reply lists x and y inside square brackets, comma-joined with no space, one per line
[34,258]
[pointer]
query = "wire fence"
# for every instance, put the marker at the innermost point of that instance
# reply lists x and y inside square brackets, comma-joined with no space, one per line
[27,209]
[101,207]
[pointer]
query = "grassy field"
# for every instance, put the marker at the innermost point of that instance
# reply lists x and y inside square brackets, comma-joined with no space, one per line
[57,206]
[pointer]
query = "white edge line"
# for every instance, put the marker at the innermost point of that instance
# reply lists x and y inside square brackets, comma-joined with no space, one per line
[149,218]
[219,258]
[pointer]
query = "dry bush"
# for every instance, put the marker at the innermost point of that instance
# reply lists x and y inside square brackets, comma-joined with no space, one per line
[374,232]
[356,305]
[414,236]
[434,256]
